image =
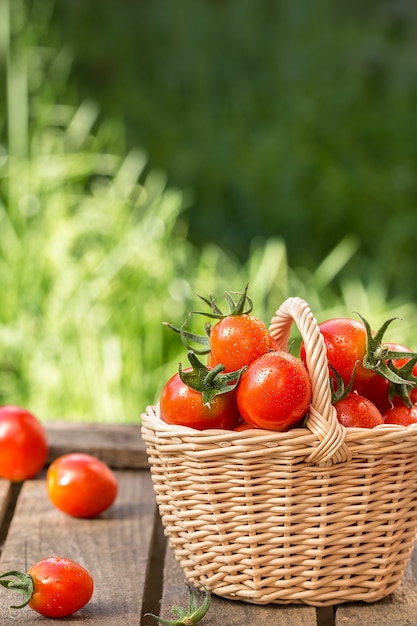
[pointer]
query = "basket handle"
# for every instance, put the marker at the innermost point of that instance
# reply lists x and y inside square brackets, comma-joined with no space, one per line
[322,420]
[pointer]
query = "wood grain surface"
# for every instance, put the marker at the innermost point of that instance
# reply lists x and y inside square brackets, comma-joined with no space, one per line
[126,551]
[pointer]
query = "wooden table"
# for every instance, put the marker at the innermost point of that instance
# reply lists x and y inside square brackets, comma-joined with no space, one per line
[125,550]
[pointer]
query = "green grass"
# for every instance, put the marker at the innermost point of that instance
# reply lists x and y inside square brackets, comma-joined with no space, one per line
[95,254]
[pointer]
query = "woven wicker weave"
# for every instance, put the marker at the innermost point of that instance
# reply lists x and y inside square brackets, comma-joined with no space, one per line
[317,515]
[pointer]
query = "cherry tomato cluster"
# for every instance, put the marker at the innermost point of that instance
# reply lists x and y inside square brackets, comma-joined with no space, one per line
[248,382]
[78,484]
[373,382]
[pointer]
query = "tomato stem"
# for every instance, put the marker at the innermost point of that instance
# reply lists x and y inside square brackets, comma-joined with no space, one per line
[402,390]
[23,585]
[189,616]
[242,306]
[379,358]
[210,382]
[188,338]
[338,389]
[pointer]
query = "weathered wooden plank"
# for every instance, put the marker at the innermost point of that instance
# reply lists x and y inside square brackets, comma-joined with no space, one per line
[118,445]
[6,496]
[5,487]
[231,612]
[398,609]
[114,547]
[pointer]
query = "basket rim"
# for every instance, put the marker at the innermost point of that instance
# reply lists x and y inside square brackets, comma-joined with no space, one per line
[391,438]
[152,414]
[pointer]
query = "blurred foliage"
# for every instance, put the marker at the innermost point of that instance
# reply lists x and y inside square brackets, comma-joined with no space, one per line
[288,119]
[95,251]
[93,247]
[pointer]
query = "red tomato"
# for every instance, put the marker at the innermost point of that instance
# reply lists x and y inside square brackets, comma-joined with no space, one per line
[81,485]
[376,390]
[244,426]
[345,341]
[401,414]
[61,587]
[179,404]
[23,444]
[237,340]
[274,392]
[53,587]
[357,411]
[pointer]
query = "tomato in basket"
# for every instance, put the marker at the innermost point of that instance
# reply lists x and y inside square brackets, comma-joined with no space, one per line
[201,397]
[179,404]
[360,358]
[241,426]
[382,393]
[236,338]
[356,411]
[346,345]
[401,414]
[274,392]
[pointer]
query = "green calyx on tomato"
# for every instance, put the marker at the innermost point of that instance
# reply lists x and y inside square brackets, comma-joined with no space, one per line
[210,382]
[24,585]
[240,306]
[352,408]
[380,359]
[188,338]
[402,390]
[189,616]
[338,388]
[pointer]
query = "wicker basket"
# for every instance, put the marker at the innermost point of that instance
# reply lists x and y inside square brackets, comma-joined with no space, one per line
[317,515]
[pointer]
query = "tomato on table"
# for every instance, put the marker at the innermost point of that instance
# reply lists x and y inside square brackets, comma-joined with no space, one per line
[54,587]
[81,485]
[23,444]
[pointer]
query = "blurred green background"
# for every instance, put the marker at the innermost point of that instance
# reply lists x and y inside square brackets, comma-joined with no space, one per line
[152,150]
[292,119]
